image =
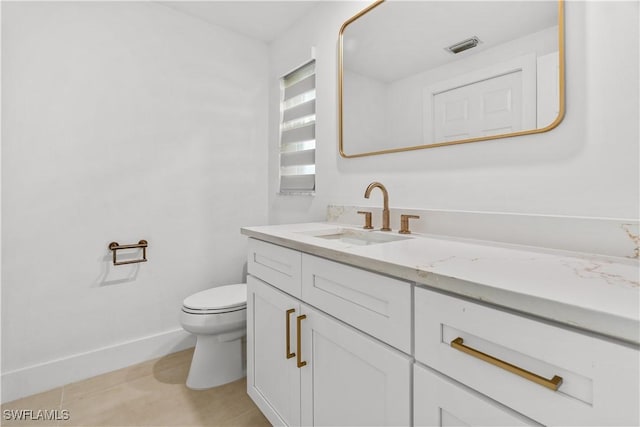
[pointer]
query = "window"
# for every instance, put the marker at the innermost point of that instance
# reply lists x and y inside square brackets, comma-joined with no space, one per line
[298,131]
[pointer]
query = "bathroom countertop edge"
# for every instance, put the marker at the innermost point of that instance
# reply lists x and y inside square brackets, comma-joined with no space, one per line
[583,313]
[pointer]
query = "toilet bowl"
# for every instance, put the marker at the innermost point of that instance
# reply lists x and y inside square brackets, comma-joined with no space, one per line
[218,319]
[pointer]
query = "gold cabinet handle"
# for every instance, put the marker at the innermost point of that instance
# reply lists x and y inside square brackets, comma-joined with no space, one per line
[299,320]
[288,337]
[553,383]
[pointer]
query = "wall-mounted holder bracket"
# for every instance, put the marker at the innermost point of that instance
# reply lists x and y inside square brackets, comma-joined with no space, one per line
[115,247]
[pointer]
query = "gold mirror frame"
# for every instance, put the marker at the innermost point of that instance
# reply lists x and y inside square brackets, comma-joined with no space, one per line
[556,122]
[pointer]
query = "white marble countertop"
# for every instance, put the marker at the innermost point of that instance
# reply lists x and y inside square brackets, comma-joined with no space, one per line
[594,293]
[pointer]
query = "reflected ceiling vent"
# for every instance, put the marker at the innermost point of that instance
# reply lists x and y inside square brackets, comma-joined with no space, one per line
[463,45]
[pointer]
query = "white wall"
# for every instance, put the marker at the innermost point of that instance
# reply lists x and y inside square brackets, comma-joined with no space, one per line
[588,166]
[122,121]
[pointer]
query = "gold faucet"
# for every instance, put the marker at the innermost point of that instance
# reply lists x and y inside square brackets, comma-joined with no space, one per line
[385,210]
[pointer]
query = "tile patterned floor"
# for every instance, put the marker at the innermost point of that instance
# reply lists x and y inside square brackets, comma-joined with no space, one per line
[148,394]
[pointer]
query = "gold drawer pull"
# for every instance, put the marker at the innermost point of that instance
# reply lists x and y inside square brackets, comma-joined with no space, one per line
[288,338]
[552,384]
[301,362]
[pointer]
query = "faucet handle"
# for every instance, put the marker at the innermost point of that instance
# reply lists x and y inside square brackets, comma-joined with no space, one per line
[404,223]
[367,219]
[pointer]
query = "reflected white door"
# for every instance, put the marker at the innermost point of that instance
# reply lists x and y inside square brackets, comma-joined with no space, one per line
[485,108]
[496,100]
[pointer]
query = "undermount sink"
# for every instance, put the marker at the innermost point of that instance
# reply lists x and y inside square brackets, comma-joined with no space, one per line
[355,237]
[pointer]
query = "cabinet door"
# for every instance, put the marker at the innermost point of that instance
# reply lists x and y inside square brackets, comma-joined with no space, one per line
[273,379]
[350,378]
[438,401]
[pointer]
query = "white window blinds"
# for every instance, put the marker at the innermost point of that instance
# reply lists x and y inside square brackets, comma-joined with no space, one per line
[298,131]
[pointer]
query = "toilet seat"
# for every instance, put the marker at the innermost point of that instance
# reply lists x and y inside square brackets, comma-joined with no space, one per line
[212,311]
[223,299]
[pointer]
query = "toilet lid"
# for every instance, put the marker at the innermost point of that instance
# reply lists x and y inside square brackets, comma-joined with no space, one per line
[222,297]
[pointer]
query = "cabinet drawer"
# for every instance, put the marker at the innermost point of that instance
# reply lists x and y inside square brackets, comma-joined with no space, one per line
[278,266]
[599,378]
[438,401]
[375,304]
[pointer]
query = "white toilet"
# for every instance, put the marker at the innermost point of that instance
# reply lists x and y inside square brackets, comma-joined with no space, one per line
[218,319]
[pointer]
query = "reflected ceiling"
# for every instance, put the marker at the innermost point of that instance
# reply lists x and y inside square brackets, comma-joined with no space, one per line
[420,45]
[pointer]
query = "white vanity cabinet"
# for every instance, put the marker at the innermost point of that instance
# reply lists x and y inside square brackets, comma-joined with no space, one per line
[332,344]
[305,367]
[515,360]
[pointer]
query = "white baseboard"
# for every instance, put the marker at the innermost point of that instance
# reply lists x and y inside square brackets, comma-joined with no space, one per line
[56,373]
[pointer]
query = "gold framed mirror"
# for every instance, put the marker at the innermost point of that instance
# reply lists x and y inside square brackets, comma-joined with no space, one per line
[424,74]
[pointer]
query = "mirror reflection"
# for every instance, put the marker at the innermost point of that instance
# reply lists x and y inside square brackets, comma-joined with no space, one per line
[420,74]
